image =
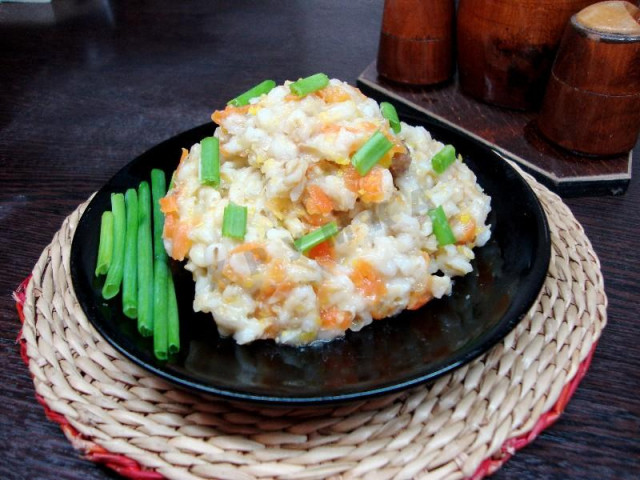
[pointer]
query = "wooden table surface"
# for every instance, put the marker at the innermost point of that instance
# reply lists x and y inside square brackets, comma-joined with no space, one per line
[85,86]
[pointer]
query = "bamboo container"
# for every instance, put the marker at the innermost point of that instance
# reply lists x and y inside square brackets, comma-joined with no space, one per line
[416,41]
[506,48]
[592,103]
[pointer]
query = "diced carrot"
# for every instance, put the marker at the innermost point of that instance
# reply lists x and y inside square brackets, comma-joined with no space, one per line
[419,298]
[398,147]
[273,290]
[333,94]
[275,283]
[282,290]
[230,273]
[274,276]
[317,201]
[181,242]
[468,231]
[168,204]
[277,272]
[365,128]
[272,330]
[334,318]
[351,178]
[369,187]
[220,115]
[170,225]
[323,253]
[184,154]
[256,249]
[330,128]
[178,233]
[367,279]
[371,190]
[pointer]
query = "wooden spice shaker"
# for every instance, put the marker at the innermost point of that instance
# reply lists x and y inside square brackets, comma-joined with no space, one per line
[506,48]
[416,41]
[592,103]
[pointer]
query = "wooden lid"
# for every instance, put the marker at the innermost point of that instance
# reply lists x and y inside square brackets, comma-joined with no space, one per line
[612,17]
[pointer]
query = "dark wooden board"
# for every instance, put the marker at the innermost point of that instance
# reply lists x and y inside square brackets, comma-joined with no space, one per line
[513,133]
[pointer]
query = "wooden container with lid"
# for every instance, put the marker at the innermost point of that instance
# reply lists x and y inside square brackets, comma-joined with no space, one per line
[506,48]
[592,102]
[416,41]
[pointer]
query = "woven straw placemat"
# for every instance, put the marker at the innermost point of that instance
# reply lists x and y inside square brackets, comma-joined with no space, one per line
[465,425]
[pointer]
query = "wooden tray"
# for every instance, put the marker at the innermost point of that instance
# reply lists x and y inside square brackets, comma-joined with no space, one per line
[512,133]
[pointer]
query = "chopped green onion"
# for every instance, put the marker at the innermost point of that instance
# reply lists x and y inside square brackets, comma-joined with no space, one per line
[370,153]
[105,246]
[130,276]
[173,324]
[443,159]
[260,89]
[161,276]
[114,275]
[389,112]
[172,183]
[308,85]
[441,227]
[160,269]
[210,161]
[310,240]
[158,190]
[234,221]
[145,262]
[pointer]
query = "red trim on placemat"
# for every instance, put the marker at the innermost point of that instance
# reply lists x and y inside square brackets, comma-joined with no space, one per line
[20,296]
[131,469]
[121,464]
[512,445]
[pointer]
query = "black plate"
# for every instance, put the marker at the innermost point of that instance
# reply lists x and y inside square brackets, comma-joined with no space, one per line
[387,356]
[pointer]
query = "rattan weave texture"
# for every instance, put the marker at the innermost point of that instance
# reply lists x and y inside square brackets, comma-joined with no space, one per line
[454,428]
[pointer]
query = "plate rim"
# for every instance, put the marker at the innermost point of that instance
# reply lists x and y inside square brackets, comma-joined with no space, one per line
[490,337]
